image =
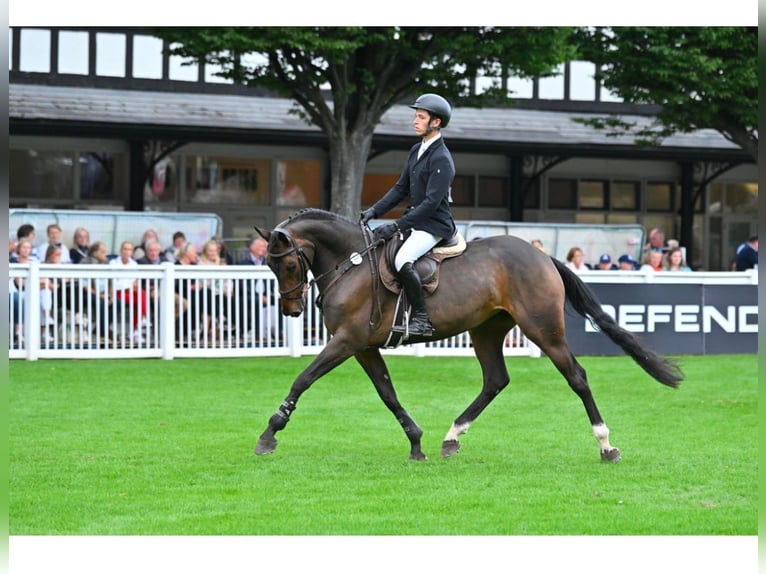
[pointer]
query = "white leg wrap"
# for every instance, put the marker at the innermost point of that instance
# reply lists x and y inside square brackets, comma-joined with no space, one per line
[456,431]
[601,432]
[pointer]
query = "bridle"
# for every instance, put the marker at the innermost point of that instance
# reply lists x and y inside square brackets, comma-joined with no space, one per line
[302,258]
[341,268]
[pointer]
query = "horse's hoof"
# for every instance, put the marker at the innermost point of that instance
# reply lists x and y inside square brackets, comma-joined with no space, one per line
[265,445]
[418,456]
[450,447]
[611,455]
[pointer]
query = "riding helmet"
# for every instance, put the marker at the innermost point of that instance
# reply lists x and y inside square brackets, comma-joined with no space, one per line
[436,105]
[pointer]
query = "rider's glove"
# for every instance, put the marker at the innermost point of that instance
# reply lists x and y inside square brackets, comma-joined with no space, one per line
[385,231]
[366,215]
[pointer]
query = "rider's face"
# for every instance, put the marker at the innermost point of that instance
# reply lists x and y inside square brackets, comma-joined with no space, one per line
[421,121]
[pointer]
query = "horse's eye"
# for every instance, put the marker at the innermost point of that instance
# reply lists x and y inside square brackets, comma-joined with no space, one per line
[291,267]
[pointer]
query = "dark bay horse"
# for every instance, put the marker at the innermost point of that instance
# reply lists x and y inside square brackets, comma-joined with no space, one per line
[497,283]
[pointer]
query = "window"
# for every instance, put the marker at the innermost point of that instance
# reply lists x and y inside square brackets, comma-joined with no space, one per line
[298,183]
[73,53]
[582,85]
[592,195]
[493,191]
[562,194]
[147,57]
[110,55]
[463,191]
[532,198]
[41,174]
[103,176]
[659,196]
[624,196]
[35,51]
[219,180]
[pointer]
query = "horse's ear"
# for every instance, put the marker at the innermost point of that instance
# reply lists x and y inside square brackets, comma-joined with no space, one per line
[262,232]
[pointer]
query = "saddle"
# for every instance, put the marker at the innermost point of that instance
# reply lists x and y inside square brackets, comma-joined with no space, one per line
[427,266]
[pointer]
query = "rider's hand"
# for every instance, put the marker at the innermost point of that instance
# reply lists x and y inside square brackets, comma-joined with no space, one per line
[385,231]
[366,215]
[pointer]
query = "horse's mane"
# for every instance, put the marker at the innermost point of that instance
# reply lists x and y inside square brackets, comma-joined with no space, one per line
[314,214]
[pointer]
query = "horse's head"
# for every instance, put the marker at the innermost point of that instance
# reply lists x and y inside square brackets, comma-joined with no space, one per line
[289,258]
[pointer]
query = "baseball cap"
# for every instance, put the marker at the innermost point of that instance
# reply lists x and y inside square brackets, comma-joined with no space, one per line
[605,258]
[627,259]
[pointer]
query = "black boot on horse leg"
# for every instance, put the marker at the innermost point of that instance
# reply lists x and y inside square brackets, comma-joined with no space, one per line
[267,442]
[419,324]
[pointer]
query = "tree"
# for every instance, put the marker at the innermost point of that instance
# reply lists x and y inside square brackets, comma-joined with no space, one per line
[344,79]
[704,77]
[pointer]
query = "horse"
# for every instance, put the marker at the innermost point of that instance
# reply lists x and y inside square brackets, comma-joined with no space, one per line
[498,282]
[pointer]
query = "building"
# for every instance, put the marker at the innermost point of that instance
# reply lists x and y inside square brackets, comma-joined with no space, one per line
[90,108]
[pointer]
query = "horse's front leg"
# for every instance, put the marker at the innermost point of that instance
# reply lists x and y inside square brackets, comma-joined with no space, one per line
[333,355]
[373,364]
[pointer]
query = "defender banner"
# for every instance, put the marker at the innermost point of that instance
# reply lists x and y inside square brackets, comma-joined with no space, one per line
[673,319]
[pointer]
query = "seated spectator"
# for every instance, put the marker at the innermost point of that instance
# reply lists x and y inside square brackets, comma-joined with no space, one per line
[257,303]
[674,260]
[79,250]
[17,288]
[747,255]
[187,295]
[223,252]
[179,240]
[576,260]
[655,242]
[539,244]
[54,238]
[216,293]
[153,254]
[605,263]
[11,249]
[27,231]
[140,251]
[98,297]
[652,261]
[128,291]
[627,263]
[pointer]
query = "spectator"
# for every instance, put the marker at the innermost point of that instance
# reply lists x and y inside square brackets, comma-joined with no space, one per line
[54,238]
[605,263]
[17,288]
[539,244]
[747,254]
[153,254]
[100,307]
[140,251]
[187,297]
[576,260]
[652,261]
[128,291]
[11,250]
[656,241]
[627,263]
[222,251]
[179,240]
[81,240]
[257,302]
[216,293]
[674,260]
[27,231]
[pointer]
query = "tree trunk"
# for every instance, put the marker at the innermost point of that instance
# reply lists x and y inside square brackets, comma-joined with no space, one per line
[348,159]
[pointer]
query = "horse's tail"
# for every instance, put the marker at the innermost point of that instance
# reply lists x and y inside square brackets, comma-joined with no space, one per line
[584,301]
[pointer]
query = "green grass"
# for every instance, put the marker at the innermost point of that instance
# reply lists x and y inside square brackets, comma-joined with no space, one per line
[165,447]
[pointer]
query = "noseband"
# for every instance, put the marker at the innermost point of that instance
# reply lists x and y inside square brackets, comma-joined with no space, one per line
[302,258]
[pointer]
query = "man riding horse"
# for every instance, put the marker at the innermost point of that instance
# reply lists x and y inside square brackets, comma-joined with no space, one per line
[427,180]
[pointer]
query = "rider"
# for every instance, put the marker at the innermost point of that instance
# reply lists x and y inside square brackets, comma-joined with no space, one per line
[427,180]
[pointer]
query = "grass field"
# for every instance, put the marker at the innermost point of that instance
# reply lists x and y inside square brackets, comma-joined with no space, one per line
[165,447]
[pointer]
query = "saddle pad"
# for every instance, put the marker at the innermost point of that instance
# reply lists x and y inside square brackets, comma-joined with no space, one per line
[427,266]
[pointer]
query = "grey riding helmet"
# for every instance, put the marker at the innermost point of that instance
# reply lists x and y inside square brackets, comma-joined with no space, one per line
[435,105]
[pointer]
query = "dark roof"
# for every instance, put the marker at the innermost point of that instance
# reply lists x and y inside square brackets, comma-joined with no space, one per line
[130,113]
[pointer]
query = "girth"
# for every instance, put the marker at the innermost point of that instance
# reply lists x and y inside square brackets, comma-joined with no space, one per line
[427,266]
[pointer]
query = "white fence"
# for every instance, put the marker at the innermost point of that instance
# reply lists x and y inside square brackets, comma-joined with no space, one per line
[169,311]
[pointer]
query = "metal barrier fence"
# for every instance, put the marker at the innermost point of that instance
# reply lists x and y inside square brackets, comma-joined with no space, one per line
[166,311]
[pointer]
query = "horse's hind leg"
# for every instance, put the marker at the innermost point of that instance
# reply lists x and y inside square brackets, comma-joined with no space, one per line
[575,375]
[488,346]
[373,364]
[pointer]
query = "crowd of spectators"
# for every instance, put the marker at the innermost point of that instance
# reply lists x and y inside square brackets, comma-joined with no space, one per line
[208,307]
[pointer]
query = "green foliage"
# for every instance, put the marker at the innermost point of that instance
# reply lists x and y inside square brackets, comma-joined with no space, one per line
[702,77]
[157,447]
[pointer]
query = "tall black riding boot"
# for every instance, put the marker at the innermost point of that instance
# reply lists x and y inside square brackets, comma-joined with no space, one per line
[419,324]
